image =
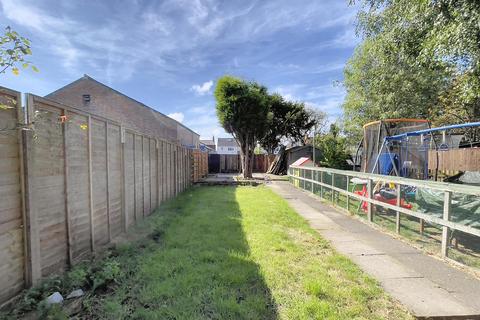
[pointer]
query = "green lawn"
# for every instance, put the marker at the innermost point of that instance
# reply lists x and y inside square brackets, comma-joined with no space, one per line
[235,253]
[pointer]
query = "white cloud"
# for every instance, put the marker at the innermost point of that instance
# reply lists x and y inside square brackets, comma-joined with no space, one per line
[289,92]
[203,88]
[169,37]
[327,98]
[179,116]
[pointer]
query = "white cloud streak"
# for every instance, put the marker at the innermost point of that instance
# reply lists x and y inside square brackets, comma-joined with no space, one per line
[202,89]
[179,116]
[172,36]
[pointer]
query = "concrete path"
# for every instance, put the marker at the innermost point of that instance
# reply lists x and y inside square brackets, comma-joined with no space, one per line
[427,286]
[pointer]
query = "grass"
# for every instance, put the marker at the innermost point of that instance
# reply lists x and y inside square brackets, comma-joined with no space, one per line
[234,253]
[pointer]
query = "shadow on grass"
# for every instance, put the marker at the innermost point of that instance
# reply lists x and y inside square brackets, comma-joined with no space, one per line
[200,267]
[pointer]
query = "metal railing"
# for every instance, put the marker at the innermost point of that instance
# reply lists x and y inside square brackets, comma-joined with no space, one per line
[313,178]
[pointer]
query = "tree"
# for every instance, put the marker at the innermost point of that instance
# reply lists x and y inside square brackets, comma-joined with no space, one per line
[243,111]
[318,119]
[290,120]
[13,52]
[333,148]
[418,59]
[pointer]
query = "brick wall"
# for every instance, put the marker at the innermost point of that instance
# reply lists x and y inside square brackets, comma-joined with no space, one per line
[109,103]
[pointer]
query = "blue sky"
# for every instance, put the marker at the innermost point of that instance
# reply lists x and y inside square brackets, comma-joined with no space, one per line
[168,54]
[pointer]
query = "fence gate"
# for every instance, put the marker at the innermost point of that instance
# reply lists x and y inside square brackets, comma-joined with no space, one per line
[213,163]
[12,253]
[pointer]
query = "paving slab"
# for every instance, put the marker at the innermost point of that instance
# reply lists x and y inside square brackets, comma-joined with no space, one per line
[427,286]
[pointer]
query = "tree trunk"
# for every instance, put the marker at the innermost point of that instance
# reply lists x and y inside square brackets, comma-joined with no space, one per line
[252,158]
[247,149]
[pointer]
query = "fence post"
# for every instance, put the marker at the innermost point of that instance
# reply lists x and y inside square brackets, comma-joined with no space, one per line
[321,185]
[32,229]
[312,178]
[66,188]
[446,216]
[348,196]
[399,190]
[107,157]
[90,185]
[124,179]
[369,204]
[333,185]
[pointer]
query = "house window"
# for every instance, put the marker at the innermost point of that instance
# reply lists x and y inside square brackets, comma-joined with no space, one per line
[231,149]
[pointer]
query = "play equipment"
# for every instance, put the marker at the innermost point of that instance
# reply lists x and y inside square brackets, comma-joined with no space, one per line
[384,192]
[376,159]
[407,152]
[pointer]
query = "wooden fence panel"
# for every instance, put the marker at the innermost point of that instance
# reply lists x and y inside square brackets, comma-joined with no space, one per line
[99,182]
[178,164]
[76,140]
[129,164]
[153,176]
[49,188]
[230,163]
[465,159]
[114,180]
[84,180]
[138,177]
[199,164]
[164,171]
[169,171]
[12,265]
[184,169]
[160,172]
[146,176]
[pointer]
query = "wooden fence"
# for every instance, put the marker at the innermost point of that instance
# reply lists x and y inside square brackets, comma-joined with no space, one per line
[12,262]
[70,182]
[200,165]
[465,159]
[231,163]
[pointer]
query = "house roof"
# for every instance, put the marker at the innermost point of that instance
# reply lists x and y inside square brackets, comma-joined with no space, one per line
[207,142]
[296,148]
[227,142]
[85,76]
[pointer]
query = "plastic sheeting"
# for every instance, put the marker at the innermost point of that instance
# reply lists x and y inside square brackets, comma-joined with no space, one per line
[465,209]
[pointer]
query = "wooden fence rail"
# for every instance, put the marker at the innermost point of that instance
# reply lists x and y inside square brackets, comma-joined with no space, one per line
[308,177]
[70,182]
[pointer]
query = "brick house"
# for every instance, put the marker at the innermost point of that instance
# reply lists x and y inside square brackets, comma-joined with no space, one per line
[95,97]
[227,146]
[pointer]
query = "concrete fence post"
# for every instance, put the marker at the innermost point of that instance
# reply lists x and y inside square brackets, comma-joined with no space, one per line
[32,228]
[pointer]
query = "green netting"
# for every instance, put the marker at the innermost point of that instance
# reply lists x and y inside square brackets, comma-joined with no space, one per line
[465,209]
